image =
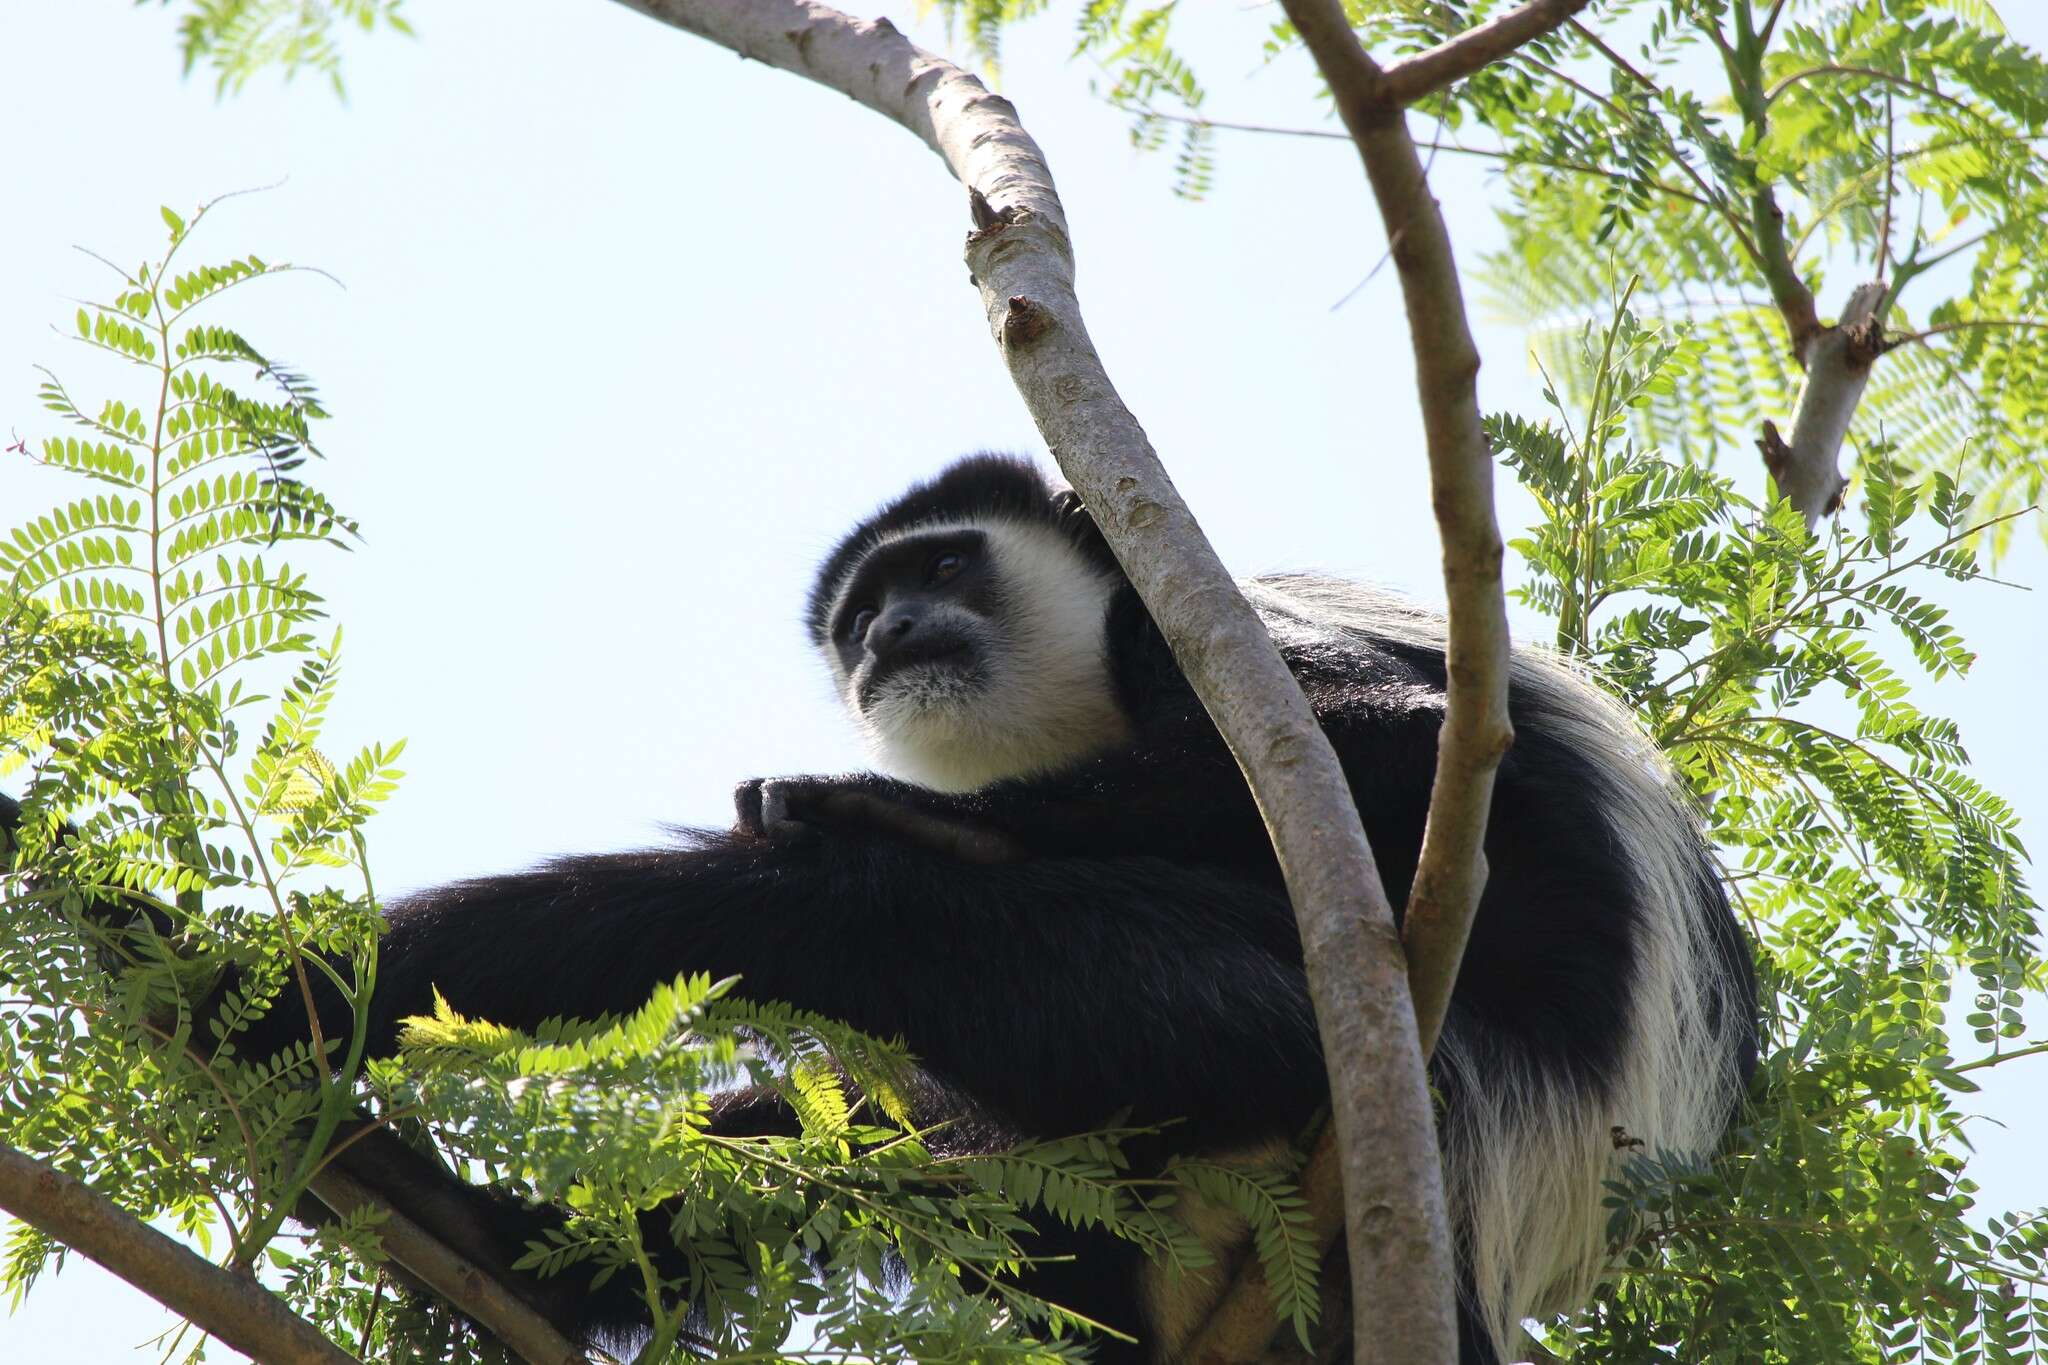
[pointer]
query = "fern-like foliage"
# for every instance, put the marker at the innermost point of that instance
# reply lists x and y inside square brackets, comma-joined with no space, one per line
[184,835]
[143,617]
[240,38]
[1877,876]
[853,1223]
[1899,142]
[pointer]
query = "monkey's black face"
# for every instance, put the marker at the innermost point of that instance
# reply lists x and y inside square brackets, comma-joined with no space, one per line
[915,625]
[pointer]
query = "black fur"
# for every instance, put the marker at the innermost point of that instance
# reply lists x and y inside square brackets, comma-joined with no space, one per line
[1138,954]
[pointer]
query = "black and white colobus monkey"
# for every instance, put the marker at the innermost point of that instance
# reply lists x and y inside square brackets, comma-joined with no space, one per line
[1065,902]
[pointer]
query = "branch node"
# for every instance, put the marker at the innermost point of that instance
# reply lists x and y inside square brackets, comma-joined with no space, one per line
[1025,322]
[985,215]
[1777,454]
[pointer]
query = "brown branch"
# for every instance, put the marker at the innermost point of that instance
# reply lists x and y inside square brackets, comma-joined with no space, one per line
[1021,257]
[1452,869]
[1476,731]
[1781,275]
[1763,37]
[1422,75]
[1807,468]
[431,1261]
[237,1309]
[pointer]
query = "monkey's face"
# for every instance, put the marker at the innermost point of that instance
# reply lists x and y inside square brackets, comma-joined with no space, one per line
[971,653]
[916,625]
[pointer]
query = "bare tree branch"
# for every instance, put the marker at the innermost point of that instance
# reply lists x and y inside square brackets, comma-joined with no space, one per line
[1415,78]
[1022,259]
[1836,359]
[1452,870]
[476,1291]
[234,1308]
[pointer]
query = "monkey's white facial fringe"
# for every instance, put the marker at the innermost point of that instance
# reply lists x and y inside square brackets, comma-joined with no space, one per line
[1039,697]
[1527,1157]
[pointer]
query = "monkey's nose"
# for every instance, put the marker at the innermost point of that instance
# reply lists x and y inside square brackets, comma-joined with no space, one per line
[896,630]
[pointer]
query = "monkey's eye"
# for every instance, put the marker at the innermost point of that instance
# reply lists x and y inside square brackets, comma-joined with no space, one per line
[944,567]
[862,619]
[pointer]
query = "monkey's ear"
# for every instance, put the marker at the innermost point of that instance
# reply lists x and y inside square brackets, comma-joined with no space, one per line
[1072,517]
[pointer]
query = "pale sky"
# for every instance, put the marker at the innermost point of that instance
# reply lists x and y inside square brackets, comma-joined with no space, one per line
[632,330]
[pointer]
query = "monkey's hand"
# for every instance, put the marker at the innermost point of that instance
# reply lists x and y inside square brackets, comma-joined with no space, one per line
[795,807]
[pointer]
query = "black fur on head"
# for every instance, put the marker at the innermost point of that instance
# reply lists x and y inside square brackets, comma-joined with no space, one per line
[981,487]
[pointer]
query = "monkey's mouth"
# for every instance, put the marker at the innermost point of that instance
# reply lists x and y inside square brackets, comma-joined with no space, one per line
[941,668]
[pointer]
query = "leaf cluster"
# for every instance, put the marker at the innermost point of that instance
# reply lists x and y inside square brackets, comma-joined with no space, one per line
[1882,885]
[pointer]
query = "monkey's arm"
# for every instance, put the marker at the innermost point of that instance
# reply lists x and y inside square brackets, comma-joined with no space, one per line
[792,807]
[1176,793]
[1062,990]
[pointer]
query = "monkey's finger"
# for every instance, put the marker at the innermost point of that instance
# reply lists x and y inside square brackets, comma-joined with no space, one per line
[782,807]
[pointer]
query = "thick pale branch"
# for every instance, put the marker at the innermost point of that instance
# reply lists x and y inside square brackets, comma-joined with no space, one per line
[233,1308]
[1022,261]
[1414,78]
[1838,360]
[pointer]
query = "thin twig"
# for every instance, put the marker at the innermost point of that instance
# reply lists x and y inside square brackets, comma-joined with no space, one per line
[1871,73]
[1884,225]
[1501,154]
[1961,325]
